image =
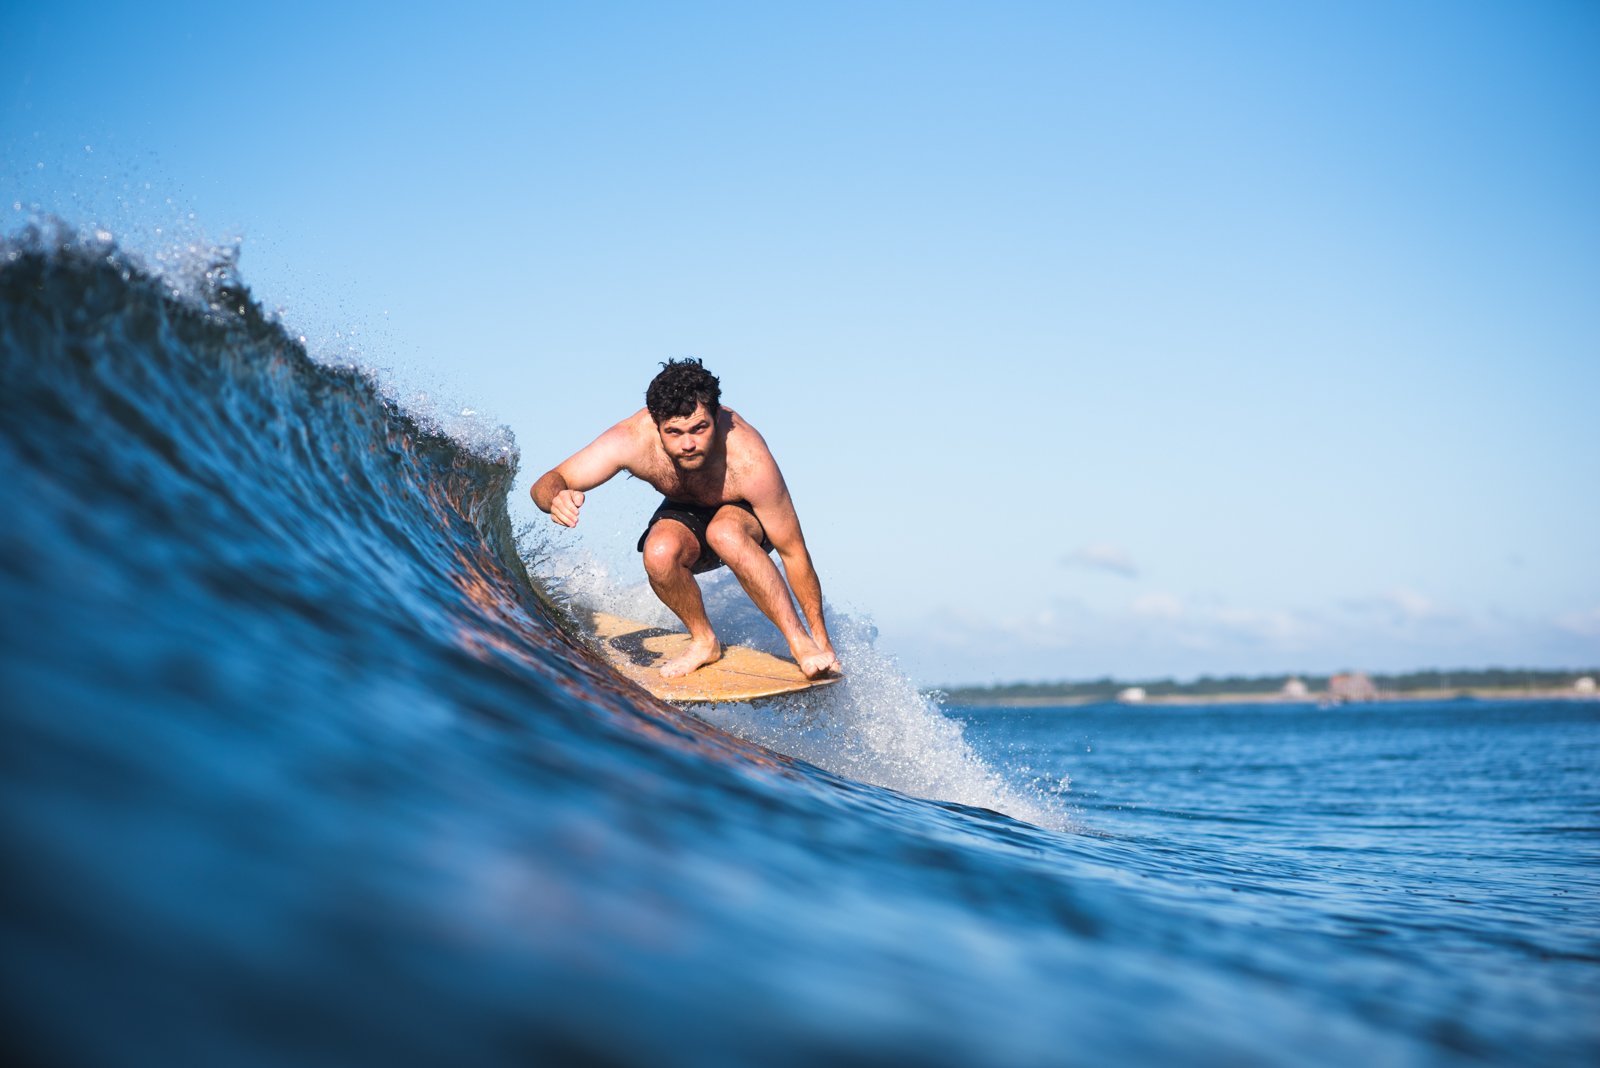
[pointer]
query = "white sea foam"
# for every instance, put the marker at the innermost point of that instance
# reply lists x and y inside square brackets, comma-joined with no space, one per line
[873,726]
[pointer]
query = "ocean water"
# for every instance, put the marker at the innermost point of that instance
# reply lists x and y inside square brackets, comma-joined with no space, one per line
[300,764]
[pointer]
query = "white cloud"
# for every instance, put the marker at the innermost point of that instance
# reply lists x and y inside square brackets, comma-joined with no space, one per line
[1102,556]
[1583,624]
[1157,606]
[1405,607]
[1411,605]
[1273,625]
[1166,633]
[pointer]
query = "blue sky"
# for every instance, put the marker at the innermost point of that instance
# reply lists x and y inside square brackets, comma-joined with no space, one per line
[1125,339]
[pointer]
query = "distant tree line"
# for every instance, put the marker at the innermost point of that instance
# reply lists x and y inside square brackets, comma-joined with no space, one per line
[1107,688]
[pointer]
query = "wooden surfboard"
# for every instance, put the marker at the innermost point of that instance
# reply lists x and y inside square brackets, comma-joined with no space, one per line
[638,650]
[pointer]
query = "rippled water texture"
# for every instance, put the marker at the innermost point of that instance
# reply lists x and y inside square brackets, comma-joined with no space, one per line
[299,766]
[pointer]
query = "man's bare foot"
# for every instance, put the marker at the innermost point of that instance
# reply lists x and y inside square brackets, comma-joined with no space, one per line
[819,665]
[698,655]
[814,661]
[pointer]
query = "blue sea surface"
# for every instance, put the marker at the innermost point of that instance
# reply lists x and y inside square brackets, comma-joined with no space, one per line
[301,764]
[1424,872]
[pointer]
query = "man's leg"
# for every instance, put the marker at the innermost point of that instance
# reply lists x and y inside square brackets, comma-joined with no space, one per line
[735,535]
[670,551]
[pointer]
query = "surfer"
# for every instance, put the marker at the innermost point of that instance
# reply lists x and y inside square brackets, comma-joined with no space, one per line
[725,502]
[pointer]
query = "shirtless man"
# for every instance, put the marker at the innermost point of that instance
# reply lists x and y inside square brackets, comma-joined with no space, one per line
[726,503]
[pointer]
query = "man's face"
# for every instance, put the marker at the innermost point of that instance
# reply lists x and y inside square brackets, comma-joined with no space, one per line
[688,438]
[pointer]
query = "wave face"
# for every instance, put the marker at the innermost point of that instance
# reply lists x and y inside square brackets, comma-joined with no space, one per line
[299,766]
[302,760]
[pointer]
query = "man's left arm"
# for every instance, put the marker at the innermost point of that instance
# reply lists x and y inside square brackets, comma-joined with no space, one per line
[777,515]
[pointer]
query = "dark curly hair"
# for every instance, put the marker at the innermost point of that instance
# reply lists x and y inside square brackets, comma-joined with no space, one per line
[679,388]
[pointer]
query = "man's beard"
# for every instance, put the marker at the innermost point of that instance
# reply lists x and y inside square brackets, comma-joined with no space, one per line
[690,463]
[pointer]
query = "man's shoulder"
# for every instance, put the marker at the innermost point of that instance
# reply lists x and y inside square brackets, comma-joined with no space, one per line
[751,463]
[625,444]
[742,437]
[634,433]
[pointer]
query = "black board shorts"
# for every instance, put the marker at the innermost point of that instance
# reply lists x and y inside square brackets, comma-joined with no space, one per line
[697,517]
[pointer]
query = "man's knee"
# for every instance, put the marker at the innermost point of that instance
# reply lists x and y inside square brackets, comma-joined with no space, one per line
[731,531]
[667,550]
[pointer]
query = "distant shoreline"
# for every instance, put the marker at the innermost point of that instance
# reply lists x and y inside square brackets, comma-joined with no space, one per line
[1472,693]
[1340,688]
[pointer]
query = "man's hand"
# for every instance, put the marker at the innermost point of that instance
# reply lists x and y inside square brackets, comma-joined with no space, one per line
[564,507]
[820,664]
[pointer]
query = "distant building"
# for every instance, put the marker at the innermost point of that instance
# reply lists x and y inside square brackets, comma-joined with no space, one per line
[1294,690]
[1351,686]
[1132,695]
[1585,684]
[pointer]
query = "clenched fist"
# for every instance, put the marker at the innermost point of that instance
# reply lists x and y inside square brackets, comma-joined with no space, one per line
[564,507]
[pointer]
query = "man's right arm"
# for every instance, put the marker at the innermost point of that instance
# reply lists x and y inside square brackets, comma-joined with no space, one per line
[559,491]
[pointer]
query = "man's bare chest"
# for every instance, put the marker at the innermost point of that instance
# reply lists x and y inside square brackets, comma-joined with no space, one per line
[692,487]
